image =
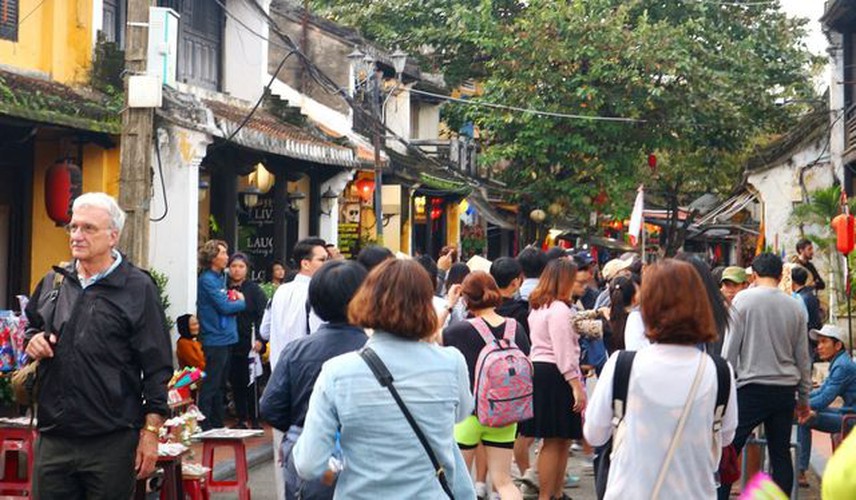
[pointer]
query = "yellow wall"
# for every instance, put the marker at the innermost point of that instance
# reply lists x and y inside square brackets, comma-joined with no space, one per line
[100,173]
[49,243]
[55,38]
[453,224]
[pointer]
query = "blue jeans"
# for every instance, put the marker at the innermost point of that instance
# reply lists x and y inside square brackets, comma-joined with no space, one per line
[295,487]
[211,395]
[828,420]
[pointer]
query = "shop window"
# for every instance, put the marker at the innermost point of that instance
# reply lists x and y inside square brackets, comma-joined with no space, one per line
[9,20]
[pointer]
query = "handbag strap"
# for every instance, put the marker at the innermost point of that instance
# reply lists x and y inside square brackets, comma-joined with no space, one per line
[385,379]
[676,437]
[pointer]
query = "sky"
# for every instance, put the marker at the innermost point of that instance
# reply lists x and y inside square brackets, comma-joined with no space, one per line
[812,9]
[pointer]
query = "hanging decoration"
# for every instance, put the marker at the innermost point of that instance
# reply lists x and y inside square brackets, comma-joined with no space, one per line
[365,188]
[436,208]
[63,183]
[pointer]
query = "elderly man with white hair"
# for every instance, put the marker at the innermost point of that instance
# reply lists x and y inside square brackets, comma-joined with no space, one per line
[97,328]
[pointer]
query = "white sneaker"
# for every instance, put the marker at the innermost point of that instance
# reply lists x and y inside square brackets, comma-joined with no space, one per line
[481,491]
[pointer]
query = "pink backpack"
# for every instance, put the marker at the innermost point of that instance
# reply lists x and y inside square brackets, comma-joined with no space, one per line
[503,378]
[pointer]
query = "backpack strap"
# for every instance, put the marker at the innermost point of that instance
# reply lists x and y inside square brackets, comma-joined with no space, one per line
[621,385]
[510,330]
[723,390]
[484,330]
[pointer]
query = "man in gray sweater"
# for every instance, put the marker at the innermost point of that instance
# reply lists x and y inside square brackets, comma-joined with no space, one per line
[768,348]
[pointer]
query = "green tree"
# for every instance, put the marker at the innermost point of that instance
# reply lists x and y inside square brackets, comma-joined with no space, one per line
[700,83]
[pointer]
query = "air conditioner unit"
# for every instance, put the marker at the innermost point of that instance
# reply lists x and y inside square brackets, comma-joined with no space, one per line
[163,44]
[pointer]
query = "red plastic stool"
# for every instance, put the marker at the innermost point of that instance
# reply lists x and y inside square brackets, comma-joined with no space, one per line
[196,488]
[13,442]
[240,483]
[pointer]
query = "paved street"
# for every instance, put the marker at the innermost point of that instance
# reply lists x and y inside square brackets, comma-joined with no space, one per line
[263,487]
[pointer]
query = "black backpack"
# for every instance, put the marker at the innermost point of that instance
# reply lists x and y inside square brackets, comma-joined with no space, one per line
[620,385]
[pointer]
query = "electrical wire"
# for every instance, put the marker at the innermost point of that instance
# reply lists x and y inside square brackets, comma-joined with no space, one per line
[529,110]
[162,182]
[258,103]
[30,13]
[739,4]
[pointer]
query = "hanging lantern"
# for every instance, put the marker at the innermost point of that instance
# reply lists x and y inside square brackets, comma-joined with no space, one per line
[843,224]
[63,183]
[436,209]
[652,162]
[365,188]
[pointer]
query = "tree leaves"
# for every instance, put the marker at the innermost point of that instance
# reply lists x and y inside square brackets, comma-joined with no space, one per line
[705,78]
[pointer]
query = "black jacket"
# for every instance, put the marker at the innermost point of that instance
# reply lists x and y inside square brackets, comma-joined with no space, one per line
[517,309]
[812,305]
[286,397]
[256,300]
[113,357]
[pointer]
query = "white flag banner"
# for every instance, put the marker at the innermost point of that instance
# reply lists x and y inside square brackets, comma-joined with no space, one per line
[635,227]
[256,370]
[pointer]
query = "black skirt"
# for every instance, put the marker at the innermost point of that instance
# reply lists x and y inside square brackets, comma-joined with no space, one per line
[553,402]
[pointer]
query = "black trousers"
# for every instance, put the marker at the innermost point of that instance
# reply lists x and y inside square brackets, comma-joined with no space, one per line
[773,406]
[93,467]
[213,387]
[244,393]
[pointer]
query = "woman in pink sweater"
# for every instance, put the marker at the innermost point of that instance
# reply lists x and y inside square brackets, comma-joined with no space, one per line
[559,397]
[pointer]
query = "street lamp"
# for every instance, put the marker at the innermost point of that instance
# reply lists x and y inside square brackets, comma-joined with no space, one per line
[250,196]
[293,198]
[360,62]
[327,200]
[399,60]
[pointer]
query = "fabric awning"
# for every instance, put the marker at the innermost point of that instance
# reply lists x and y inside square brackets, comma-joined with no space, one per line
[728,209]
[488,211]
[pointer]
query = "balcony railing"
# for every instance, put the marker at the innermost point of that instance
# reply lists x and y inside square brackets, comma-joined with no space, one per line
[460,153]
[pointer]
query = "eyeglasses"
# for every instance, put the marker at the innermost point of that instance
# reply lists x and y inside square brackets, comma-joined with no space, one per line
[87,229]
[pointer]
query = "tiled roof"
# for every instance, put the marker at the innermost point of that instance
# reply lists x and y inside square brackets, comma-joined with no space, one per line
[266,132]
[46,101]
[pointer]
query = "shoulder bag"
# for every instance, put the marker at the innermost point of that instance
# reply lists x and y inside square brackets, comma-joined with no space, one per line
[385,379]
[24,380]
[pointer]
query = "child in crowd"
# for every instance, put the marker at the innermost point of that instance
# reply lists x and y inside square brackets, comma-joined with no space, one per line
[188,349]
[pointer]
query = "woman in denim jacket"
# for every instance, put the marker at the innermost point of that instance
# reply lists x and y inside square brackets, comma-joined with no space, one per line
[840,382]
[382,457]
[286,398]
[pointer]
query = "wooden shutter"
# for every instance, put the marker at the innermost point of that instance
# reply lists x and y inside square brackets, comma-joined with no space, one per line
[9,20]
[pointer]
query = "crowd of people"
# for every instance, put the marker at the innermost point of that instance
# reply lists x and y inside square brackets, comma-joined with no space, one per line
[430,322]
[408,377]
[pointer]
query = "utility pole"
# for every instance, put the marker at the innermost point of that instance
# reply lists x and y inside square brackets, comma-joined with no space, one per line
[135,176]
[378,166]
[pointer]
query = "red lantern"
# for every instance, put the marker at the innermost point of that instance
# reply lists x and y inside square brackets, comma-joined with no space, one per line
[365,188]
[436,209]
[63,183]
[652,162]
[844,231]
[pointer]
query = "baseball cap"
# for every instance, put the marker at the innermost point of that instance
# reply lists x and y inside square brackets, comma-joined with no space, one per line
[830,331]
[583,259]
[734,274]
[615,266]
